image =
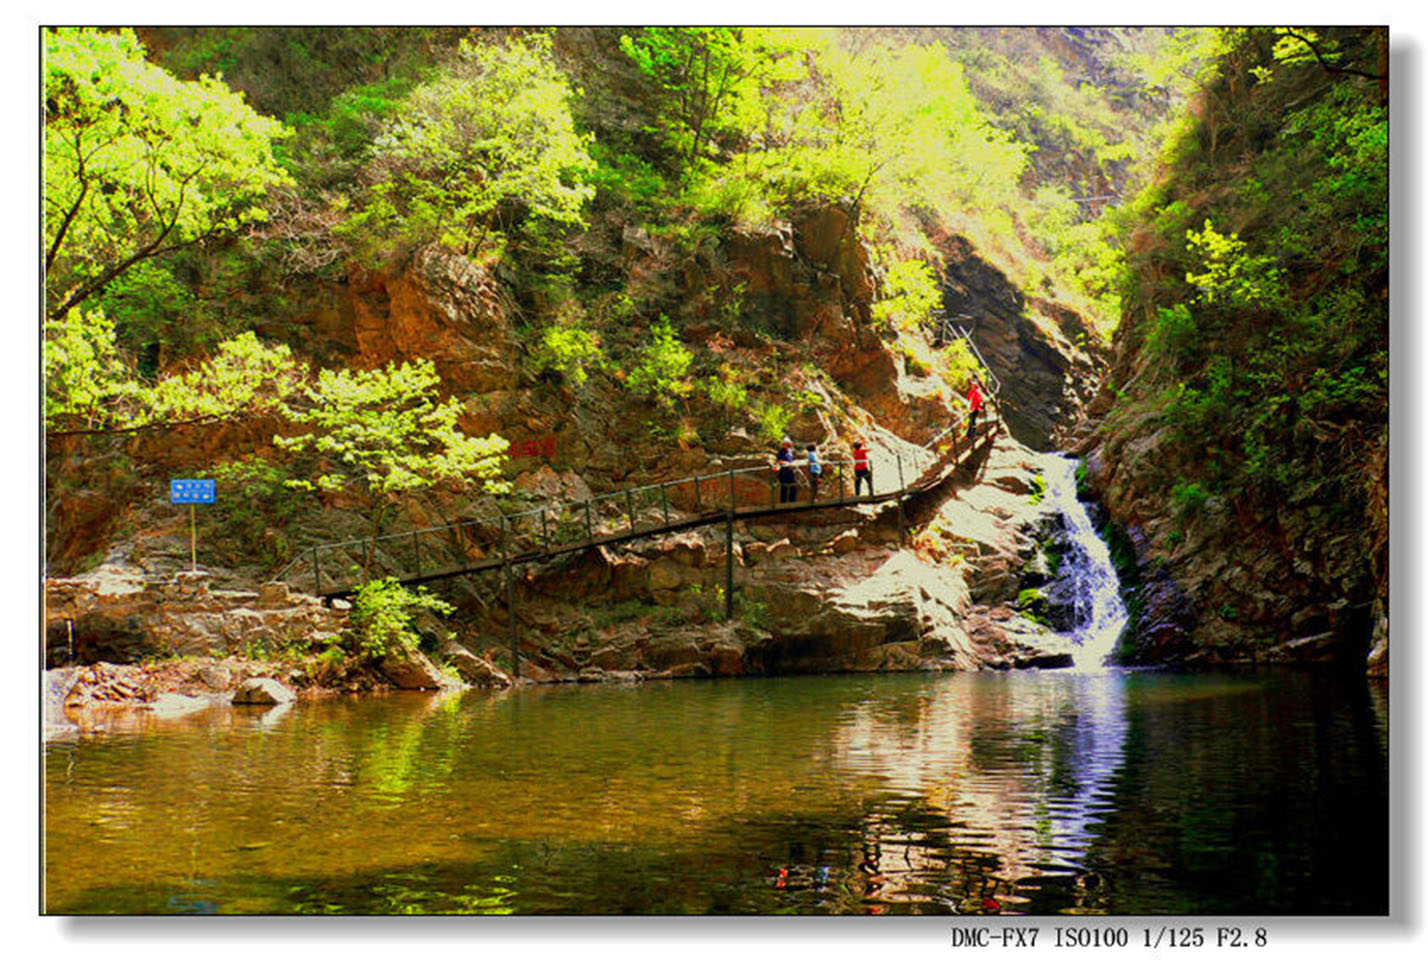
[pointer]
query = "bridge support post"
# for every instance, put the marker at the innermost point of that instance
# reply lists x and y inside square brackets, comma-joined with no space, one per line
[729,561]
[664,501]
[511,620]
[901,516]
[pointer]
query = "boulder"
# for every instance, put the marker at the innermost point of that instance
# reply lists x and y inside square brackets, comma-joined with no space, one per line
[214,676]
[413,671]
[473,669]
[273,593]
[262,691]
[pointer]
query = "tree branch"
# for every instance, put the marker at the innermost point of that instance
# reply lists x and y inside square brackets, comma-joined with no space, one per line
[1328,67]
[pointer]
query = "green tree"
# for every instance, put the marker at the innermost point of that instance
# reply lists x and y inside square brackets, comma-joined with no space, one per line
[891,126]
[382,613]
[385,433]
[474,154]
[708,80]
[92,386]
[138,163]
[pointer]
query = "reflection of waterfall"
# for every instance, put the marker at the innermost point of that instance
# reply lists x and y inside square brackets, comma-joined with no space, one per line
[991,783]
[1100,614]
[1095,753]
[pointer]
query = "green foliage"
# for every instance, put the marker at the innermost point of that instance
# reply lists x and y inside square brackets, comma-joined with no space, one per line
[960,365]
[571,350]
[1031,603]
[707,82]
[1172,332]
[139,164]
[1038,488]
[1274,334]
[1231,277]
[627,179]
[86,378]
[910,296]
[90,384]
[383,430]
[1189,496]
[773,421]
[659,371]
[727,392]
[382,613]
[487,147]
[893,126]
[245,376]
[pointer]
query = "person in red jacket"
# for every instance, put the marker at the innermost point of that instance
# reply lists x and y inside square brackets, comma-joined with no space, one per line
[975,400]
[861,470]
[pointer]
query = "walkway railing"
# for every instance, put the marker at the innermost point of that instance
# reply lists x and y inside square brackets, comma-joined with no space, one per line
[554,528]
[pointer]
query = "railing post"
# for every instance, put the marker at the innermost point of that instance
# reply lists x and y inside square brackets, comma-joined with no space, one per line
[901,485]
[630,507]
[664,502]
[732,502]
[842,494]
[589,522]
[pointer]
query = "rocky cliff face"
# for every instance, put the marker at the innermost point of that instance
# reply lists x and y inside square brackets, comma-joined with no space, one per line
[834,593]
[1240,443]
[1045,354]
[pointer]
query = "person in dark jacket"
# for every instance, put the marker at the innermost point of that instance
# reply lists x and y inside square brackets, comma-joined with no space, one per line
[787,479]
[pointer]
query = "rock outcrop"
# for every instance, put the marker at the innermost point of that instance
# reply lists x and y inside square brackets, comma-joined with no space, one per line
[1046,356]
[117,615]
[262,691]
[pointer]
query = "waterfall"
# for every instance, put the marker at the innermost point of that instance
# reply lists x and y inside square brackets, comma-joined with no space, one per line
[1100,614]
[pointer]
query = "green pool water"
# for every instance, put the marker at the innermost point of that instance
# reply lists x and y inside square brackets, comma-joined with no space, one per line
[1053,792]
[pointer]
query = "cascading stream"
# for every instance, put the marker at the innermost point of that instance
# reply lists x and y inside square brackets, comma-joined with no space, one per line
[1100,614]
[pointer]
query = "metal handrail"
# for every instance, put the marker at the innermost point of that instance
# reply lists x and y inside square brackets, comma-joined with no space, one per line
[632,507]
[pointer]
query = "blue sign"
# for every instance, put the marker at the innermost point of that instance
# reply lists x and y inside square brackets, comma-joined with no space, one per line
[193,491]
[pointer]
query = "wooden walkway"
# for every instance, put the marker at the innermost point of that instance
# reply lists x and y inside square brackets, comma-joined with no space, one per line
[555,529]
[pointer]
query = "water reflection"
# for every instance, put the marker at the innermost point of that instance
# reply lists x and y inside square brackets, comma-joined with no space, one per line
[1015,772]
[1054,792]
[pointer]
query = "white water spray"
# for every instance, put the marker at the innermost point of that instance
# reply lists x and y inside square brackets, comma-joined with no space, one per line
[1100,614]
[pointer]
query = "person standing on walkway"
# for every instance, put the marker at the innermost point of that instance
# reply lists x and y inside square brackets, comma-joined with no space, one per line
[975,400]
[861,470]
[787,479]
[815,472]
